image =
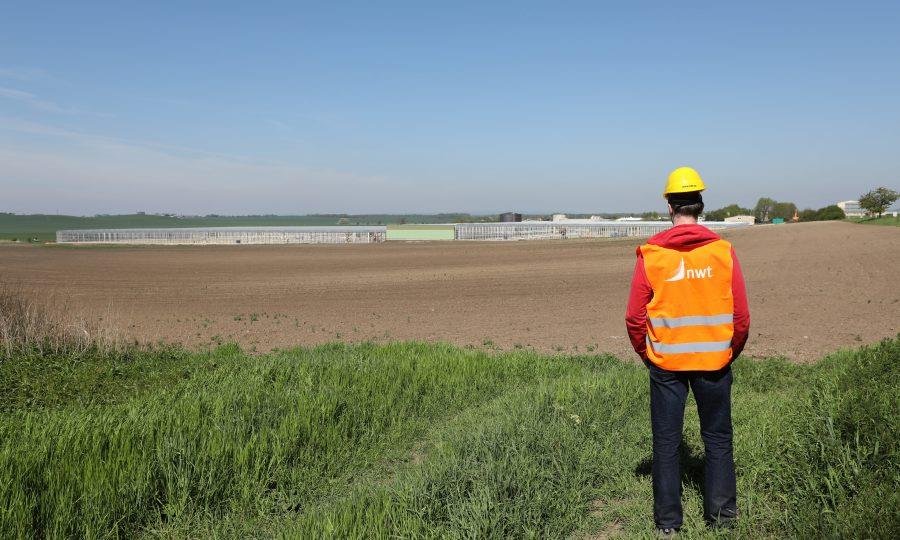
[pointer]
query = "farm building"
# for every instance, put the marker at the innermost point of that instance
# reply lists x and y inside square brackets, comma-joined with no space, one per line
[851,208]
[227,235]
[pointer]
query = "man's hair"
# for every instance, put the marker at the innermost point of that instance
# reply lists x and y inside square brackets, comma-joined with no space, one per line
[686,204]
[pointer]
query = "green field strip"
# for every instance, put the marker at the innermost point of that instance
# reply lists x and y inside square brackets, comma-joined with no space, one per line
[416,440]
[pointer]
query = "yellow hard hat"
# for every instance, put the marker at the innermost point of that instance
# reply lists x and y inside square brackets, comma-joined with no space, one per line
[683,180]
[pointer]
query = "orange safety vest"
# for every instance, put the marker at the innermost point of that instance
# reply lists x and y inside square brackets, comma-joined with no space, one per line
[690,320]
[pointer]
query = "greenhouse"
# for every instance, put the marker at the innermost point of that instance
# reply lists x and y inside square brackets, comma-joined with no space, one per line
[522,230]
[552,230]
[226,235]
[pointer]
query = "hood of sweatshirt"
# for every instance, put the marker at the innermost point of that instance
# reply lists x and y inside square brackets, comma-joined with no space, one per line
[684,237]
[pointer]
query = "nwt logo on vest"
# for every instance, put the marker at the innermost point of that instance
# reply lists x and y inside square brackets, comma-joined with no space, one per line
[690,273]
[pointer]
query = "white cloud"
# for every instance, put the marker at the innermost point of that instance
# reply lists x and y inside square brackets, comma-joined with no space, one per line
[26,75]
[36,102]
[33,101]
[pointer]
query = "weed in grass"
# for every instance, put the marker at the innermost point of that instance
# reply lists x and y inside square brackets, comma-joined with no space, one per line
[30,326]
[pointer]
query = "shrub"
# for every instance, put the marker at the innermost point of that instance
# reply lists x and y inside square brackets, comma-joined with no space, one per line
[827,213]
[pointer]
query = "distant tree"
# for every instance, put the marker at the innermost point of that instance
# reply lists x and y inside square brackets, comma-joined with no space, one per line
[878,200]
[828,213]
[784,210]
[651,216]
[728,211]
[343,221]
[764,209]
[831,212]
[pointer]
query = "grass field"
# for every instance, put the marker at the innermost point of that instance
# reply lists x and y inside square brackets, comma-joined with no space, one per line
[421,440]
[43,227]
[883,220]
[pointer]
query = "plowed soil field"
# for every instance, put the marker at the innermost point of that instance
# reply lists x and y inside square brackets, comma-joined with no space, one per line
[813,288]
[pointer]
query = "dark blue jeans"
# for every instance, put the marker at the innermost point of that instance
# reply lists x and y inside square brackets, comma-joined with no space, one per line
[668,394]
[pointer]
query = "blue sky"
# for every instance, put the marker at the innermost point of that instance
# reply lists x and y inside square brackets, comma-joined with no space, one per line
[200,107]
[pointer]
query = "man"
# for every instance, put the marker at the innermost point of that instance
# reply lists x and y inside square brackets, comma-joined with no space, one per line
[688,319]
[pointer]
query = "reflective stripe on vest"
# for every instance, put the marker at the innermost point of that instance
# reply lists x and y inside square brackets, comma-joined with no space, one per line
[696,347]
[695,320]
[690,320]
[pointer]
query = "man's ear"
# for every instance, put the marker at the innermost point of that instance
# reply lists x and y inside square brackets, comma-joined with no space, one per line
[670,209]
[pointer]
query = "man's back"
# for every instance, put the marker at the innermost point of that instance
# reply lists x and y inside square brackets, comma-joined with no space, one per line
[688,306]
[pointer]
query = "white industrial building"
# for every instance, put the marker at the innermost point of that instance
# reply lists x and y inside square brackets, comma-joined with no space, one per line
[851,208]
[750,220]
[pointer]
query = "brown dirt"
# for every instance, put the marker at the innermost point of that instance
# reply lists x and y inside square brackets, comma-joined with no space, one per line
[813,288]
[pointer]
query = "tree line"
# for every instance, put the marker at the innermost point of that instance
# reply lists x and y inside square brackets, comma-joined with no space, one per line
[875,202]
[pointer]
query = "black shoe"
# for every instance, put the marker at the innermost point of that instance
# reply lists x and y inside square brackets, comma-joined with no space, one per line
[725,519]
[666,532]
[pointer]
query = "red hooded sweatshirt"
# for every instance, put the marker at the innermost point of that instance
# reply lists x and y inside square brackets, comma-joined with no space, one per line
[682,238]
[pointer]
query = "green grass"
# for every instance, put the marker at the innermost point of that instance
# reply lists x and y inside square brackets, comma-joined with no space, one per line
[43,227]
[883,220]
[416,440]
